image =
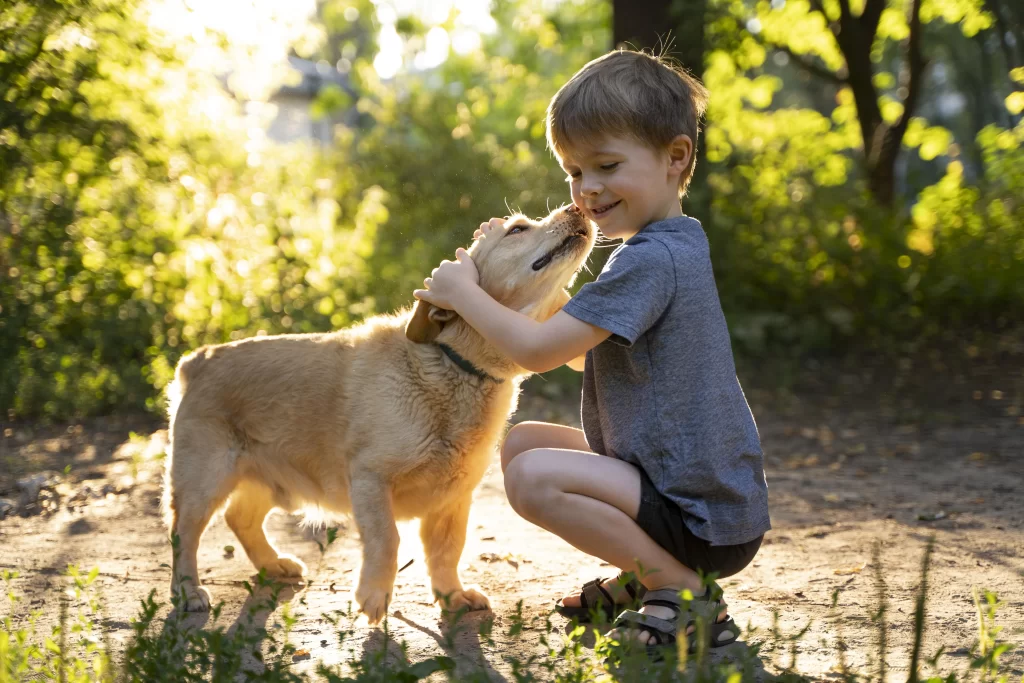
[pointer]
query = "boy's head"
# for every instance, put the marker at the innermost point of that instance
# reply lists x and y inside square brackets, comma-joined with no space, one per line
[627,94]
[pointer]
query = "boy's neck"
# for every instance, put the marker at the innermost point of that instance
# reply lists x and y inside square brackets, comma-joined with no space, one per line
[674,210]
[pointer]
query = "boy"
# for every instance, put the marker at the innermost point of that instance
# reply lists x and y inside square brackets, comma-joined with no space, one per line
[667,474]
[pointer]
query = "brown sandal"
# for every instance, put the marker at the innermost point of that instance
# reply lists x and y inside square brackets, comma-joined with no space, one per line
[594,597]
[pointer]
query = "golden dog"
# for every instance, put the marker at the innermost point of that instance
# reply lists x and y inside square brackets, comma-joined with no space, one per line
[392,419]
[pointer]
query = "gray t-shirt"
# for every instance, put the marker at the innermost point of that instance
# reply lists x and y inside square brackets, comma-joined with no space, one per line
[661,392]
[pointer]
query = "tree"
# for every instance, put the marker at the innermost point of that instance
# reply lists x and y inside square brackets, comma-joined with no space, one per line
[675,27]
[653,24]
[850,45]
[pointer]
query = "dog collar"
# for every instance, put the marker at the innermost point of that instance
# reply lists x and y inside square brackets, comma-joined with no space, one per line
[467,366]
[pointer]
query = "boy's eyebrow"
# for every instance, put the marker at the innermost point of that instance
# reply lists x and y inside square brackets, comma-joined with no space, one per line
[590,154]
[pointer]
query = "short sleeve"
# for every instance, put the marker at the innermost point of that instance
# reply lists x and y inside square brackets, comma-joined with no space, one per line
[631,293]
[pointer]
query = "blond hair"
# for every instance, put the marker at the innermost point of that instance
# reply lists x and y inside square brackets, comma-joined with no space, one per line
[628,94]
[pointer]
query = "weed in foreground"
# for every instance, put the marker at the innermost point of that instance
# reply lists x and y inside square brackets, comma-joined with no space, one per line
[77,650]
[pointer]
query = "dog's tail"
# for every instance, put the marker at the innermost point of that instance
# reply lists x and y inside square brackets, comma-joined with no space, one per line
[188,369]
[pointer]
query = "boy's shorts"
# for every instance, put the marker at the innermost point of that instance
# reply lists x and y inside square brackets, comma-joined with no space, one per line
[662,520]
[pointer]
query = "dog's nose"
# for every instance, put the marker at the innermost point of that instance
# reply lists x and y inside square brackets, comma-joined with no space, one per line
[572,208]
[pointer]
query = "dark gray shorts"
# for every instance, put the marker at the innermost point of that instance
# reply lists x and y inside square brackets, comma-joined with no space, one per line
[662,520]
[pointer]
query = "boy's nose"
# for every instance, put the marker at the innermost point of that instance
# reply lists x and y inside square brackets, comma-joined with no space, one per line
[590,187]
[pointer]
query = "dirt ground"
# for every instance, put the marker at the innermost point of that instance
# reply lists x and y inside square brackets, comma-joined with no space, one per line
[849,466]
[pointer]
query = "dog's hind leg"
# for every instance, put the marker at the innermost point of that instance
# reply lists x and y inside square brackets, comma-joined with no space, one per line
[443,533]
[250,503]
[371,508]
[201,474]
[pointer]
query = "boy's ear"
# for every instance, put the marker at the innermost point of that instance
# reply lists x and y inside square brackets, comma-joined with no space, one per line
[680,153]
[426,322]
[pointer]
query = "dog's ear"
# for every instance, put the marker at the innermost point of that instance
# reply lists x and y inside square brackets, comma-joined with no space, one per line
[426,322]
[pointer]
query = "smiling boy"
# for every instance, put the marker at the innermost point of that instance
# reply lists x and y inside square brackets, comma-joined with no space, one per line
[667,472]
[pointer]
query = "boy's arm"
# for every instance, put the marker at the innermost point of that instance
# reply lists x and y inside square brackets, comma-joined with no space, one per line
[578,363]
[535,346]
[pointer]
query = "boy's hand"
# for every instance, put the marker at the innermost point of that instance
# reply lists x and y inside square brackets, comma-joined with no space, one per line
[448,280]
[486,228]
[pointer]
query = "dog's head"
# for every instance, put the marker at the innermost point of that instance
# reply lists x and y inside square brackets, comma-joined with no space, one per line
[525,266]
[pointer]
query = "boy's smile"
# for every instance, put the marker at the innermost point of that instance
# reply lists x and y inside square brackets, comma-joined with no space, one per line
[623,185]
[602,211]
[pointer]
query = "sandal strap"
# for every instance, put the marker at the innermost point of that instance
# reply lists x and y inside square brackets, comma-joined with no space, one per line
[663,630]
[632,585]
[666,597]
[593,593]
[712,602]
[707,605]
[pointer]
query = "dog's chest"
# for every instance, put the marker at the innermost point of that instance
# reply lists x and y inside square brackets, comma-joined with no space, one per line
[455,441]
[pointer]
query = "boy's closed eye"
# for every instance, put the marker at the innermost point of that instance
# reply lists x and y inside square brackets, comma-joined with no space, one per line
[604,167]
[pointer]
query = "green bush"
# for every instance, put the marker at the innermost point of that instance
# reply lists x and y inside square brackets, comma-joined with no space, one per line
[136,229]
[142,214]
[807,262]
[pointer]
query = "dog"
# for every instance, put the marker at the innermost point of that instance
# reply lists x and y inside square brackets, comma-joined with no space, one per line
[395,418]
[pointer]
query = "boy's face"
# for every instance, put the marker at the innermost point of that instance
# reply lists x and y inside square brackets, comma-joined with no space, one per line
[622,184]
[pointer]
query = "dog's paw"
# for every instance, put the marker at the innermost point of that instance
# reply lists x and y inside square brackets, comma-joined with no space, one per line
[468,599]
[285,567]
[195,599]
[373,603]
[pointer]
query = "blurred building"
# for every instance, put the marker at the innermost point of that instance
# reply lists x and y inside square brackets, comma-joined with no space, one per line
[295,118]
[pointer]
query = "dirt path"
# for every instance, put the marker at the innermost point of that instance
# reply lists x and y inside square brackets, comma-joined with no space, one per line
[841,480]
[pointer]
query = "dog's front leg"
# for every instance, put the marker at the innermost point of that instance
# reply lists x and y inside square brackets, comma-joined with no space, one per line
[371,508]
[443,533]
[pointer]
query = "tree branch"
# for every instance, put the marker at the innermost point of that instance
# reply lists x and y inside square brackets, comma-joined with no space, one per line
[807,65]
[870,17]
[915,66]
[844,10]
[888,139]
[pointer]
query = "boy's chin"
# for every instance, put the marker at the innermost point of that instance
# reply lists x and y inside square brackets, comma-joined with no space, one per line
[613,229]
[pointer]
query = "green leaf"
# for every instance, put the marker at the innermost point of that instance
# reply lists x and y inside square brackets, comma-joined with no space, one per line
[1015,102]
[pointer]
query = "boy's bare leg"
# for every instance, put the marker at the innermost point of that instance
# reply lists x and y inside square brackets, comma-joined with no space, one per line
[592,502]
[526,436]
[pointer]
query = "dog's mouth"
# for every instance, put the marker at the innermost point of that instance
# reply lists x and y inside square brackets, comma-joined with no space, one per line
[568,244]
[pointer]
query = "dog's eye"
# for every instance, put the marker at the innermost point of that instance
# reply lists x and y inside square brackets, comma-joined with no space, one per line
[516,228]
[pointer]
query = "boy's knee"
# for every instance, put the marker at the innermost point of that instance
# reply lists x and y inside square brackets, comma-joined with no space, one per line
[526,487]
[514,444]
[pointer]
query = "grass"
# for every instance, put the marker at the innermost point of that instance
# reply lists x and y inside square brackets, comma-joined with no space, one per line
[168,649]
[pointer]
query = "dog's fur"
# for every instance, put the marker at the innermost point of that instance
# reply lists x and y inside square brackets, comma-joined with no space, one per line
[374,420]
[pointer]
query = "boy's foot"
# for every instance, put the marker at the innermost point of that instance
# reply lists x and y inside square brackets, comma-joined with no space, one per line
[606,595]
[722,633]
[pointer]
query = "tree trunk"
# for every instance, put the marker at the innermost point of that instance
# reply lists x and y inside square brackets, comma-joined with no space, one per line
[656,25]
[641,23]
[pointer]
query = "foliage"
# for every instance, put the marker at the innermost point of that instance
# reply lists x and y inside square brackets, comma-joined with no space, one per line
[143,212]
[140,217]
[466,142]
[807,260]
[168,649]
